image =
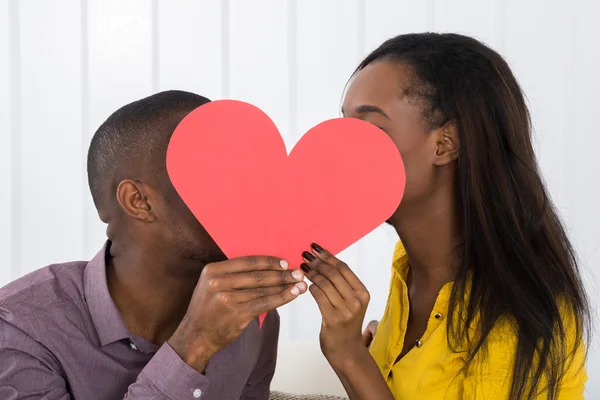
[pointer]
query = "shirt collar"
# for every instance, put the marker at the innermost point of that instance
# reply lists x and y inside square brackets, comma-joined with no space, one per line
[400,259]
[105,315]
[401,266]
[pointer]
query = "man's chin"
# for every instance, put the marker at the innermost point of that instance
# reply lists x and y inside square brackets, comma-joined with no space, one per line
[220,257]
[208,258]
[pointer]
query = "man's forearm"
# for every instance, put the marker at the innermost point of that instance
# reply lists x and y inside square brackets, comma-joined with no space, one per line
[361,377]
[194,353]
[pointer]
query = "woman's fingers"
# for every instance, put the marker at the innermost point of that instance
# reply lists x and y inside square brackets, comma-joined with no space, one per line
[324,285]
[341,296]
[350,277]
[331,273]
[323,302]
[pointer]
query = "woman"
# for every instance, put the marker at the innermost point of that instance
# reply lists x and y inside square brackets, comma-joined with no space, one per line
[486,300]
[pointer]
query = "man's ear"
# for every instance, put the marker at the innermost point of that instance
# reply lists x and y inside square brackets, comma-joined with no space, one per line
[446,144]
[133,199]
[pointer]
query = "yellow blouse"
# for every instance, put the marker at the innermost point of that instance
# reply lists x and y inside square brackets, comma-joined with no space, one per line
[431,370]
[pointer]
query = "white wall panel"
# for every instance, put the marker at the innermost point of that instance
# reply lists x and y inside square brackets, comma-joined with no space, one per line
[475,18]
[190,46]
[258,58]
[328,49]
[532,54]
[580,191]
[385,19]
[120,60]
[50,168]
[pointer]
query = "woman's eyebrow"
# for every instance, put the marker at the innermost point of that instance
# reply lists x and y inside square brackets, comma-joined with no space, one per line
[367,108]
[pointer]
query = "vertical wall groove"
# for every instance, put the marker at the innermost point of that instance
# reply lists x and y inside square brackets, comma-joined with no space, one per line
[293,69]
[499,22]
[570,86]
[225,48]
[15,110]
[85,126]
[361,30]
[430,15]
[155,47]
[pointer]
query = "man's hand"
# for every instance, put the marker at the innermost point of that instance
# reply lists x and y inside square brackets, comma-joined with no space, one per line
[369,333]
[227,297]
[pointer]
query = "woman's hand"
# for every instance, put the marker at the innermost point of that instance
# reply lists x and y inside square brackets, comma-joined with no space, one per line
[342,299]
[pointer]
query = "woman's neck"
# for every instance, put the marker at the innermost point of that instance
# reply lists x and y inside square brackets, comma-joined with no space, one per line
[431,233]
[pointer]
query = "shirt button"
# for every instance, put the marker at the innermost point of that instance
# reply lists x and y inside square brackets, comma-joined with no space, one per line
[418,343]
[133,346]
[197,393]
[438,316]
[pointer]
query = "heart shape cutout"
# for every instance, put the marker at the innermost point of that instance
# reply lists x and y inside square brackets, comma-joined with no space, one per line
[229,164]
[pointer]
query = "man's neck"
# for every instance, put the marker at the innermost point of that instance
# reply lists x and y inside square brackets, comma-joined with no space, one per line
[150,296]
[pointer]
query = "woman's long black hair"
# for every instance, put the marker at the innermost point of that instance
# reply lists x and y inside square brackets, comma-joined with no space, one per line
[521,264]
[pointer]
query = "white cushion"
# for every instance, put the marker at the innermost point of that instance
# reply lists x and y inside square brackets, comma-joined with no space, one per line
[302,369]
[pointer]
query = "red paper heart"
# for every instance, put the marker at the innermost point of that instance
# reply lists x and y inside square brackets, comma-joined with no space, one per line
[229,164]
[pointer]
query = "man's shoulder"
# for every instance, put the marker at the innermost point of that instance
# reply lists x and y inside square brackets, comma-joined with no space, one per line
[44,289]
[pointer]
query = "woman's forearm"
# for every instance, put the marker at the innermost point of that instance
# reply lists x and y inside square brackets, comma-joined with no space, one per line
[360,376]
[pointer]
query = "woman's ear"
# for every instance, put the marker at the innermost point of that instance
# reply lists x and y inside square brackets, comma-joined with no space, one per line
[134,201]
[447,145]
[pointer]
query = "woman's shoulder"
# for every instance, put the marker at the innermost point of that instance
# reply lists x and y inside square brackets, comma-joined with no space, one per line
[497,357]
[504,335]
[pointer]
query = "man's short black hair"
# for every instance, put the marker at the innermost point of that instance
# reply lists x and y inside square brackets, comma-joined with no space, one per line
[134,139]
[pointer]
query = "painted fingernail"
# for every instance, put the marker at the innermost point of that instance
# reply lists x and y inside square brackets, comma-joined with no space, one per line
[297,275]
[295,291]
[284,264]
[304,267]
[316,248]
[308,256]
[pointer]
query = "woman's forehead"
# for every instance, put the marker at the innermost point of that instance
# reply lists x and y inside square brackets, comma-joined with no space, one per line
[378,83]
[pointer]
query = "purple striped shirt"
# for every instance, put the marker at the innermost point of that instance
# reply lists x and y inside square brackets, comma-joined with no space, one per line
[62,337]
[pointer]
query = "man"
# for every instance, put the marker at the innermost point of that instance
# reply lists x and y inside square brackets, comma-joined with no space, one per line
[159,313]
